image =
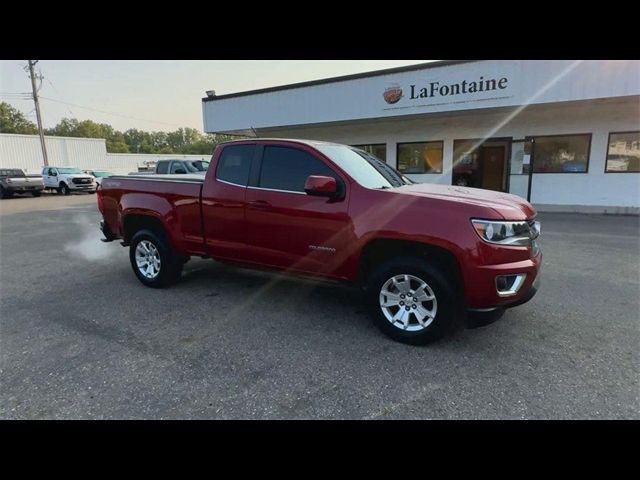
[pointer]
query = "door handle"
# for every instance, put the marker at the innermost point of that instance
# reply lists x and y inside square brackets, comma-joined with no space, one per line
[259,205]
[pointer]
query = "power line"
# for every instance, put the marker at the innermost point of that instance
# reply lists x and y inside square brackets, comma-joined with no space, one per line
[111,113]
[54,87]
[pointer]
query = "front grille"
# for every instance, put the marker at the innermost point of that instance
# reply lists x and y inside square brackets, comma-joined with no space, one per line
[81,180]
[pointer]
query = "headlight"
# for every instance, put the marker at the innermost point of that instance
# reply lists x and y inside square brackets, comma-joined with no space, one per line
[504,233]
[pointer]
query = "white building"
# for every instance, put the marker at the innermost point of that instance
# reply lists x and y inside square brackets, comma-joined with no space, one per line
[25,152]
[564,134]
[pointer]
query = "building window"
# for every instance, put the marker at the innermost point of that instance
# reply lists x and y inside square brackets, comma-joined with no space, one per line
[623,152]
[420,157]
[378,150]
[561,154]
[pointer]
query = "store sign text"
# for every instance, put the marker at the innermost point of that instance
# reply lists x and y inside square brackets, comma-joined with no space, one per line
[434,89]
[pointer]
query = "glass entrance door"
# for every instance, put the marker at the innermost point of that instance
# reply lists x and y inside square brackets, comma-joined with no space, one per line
[481,163]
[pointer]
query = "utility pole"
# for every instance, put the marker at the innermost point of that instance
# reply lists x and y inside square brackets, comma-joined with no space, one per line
[35,100]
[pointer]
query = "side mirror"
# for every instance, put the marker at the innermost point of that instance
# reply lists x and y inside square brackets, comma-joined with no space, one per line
[320,186]
[180,170]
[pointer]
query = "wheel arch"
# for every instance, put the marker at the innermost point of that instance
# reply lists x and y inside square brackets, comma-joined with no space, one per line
[135,221]
[379,250]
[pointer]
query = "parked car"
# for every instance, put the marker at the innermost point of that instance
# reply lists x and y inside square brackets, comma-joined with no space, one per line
[68,179]
[180,167]
[14,180]
[424,253]
[98,175]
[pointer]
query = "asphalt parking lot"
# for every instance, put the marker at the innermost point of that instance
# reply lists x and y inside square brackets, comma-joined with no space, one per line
[80,337]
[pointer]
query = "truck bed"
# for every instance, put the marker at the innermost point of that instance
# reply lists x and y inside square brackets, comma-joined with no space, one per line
[175,200]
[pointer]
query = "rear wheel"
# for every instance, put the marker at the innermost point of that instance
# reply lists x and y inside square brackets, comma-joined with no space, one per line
[36,193]
[412,301]
[153,260]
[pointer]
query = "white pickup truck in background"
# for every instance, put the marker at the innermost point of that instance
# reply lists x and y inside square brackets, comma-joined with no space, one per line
[68,179]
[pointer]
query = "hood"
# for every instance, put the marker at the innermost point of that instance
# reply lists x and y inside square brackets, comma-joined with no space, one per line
[506,205]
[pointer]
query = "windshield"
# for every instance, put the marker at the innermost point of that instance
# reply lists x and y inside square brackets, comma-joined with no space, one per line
[364,168]
[102,174]
[69,170]
[12,173]
[197,165]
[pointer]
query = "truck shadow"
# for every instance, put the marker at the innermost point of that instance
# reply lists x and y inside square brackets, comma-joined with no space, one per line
[264,289]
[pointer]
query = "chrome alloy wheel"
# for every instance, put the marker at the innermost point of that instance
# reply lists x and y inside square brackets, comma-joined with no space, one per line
[148,259]
[408,303]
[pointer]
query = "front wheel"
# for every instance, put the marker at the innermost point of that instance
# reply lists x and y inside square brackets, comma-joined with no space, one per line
[412,301]
[153,260]
[36,193]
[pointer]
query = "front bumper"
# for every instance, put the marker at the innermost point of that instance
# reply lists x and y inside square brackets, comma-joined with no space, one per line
[481,291]
[82,186]
[529,294]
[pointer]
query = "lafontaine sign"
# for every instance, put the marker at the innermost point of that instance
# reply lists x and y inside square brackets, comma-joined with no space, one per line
[434,89]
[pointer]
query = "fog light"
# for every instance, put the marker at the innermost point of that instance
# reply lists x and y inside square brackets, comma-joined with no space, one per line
[508,285]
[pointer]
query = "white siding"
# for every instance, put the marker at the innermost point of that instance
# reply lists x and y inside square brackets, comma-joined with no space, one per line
[25,152]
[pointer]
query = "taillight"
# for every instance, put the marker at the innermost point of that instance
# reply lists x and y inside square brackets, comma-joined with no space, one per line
[9,180]
[99,195]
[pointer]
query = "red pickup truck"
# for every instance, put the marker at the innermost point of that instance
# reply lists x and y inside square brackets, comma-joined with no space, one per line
[424,254]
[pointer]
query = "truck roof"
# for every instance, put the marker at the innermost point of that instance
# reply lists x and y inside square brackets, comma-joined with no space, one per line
[291,140]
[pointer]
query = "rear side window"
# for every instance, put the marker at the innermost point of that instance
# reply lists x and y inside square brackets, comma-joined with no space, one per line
[163,167]
[234,164]
[175,166]
[285,168]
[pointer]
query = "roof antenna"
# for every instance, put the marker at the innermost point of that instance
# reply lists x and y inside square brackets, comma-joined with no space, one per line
[255,134]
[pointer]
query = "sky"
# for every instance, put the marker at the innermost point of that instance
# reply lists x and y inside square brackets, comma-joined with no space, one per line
[156,95]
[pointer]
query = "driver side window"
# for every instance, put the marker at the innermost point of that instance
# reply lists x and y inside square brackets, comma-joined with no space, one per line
[287,169]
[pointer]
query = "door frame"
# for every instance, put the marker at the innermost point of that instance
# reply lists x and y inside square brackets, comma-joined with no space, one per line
[500,142]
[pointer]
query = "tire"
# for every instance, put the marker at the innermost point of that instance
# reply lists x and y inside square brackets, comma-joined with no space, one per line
[91,191]
[64,188]
[447,307]
[36,193]
[3,194]
[169,265]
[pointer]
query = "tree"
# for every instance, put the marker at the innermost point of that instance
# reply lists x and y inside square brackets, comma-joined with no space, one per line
[183,140]
[14,121]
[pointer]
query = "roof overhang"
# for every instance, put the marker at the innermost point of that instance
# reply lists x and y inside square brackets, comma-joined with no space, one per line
[423,89]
